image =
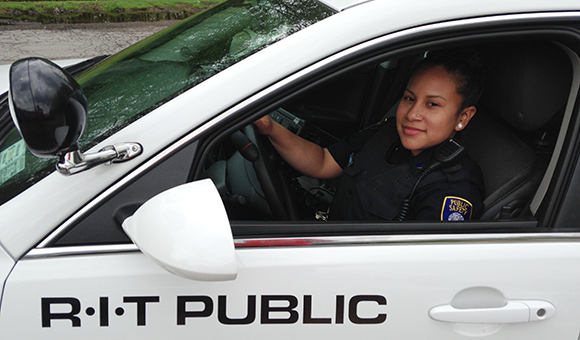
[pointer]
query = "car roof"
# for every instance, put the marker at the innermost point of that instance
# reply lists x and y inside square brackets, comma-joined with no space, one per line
[491,6]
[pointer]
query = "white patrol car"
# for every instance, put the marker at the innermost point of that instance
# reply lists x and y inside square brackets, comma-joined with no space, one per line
[130,239]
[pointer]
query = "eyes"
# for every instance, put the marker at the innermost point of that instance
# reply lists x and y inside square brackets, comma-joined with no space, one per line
[410,99]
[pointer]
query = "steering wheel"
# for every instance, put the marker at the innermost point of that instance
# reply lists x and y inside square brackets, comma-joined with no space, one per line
[274,184]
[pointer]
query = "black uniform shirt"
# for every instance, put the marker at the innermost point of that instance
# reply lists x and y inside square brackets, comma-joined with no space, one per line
[379,173]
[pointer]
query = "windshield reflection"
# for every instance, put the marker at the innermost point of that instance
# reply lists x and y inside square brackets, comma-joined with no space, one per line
[128,85]
[137,80]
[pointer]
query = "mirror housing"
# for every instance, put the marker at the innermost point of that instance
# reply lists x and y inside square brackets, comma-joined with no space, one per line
[186,230]
[49,110]
[47,106]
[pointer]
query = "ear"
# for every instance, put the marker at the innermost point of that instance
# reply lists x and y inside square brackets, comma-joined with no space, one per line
[464,117]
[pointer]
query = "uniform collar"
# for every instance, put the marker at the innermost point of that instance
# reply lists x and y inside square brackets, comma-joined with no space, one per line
[399,155]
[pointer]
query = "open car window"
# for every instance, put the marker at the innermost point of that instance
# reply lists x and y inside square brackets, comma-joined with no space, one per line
[512,137]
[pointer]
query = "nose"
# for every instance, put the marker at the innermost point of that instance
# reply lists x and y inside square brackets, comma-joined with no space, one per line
[414,113]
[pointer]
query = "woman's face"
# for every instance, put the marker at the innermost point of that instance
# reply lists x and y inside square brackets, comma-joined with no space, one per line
[428,113]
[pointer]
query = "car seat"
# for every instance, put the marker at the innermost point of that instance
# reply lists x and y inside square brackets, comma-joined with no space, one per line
[526,85]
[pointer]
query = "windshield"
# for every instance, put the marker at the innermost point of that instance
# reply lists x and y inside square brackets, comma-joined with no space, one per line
[135,81]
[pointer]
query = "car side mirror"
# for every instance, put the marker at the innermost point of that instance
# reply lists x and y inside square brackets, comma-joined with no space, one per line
[186,230]
[49,110]
[47,106]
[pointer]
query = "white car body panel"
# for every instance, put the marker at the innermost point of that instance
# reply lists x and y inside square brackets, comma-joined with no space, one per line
[6,265]
[372,270]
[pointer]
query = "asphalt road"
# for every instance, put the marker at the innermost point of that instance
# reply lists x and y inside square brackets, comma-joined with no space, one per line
[60,41]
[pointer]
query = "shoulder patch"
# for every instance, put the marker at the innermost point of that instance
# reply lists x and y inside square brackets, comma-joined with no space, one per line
[456,209]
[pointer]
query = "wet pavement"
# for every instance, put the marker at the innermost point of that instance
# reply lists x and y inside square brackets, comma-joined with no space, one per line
[69,41]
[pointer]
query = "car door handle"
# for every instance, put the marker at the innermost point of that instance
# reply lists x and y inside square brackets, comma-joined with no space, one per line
[513,312]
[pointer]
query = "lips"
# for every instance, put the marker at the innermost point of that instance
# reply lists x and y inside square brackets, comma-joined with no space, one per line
[411,131]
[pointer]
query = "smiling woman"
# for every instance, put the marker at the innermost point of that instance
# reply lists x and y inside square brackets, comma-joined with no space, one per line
[440,99]
[430,111]
[403,169]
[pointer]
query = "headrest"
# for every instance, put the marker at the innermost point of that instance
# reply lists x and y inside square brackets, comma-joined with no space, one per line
[527,83]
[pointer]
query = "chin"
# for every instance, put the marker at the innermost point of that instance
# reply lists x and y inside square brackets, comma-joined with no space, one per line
[410,146]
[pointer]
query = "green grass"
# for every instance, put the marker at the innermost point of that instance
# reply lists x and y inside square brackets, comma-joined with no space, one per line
[100,10]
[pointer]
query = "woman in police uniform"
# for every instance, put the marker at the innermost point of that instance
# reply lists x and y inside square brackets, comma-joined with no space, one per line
[394,170]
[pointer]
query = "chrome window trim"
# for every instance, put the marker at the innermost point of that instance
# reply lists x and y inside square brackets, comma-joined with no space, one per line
[371,240]
[80,250]
[430,28]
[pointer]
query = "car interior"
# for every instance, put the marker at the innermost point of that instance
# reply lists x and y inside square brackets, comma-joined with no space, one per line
[512,136]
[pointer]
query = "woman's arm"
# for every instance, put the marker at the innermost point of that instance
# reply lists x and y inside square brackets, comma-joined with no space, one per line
[304,156]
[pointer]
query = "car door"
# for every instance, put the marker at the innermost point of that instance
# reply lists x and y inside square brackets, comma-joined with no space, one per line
[502,286]
[503,279]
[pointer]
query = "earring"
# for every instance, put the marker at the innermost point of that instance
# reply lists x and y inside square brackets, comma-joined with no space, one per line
[460,126]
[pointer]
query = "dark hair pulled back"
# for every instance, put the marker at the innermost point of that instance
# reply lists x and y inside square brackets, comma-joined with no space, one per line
[465,65]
